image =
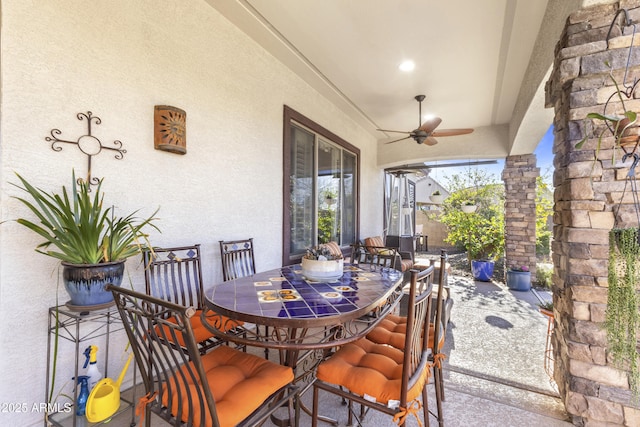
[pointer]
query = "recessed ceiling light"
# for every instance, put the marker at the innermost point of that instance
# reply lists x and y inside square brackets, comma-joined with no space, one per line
[407,65]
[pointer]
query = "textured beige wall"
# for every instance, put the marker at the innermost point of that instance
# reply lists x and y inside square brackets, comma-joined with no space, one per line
[118,59]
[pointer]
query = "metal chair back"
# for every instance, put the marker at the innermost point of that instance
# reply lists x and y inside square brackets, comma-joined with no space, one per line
[174,274]
[177,385]
[237,259]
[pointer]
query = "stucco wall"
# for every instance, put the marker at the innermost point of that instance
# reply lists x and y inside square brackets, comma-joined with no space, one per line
[118,59]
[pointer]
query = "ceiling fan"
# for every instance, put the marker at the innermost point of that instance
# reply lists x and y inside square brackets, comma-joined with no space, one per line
[426,132]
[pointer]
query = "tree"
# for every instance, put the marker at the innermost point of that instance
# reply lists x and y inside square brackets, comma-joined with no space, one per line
[480,233]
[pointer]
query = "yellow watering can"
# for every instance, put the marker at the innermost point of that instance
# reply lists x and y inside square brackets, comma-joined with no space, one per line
[104,399]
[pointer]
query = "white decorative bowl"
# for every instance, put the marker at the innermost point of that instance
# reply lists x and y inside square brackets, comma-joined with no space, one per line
[322,270]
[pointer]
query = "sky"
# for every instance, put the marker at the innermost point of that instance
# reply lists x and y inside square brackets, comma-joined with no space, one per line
[543,153]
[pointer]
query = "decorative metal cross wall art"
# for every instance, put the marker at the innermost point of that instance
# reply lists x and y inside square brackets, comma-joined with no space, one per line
[88,144]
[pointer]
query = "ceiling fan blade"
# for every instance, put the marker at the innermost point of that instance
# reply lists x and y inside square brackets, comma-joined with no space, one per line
[396,140]
[431,124]
[430,141]
[452,132]
[394,131]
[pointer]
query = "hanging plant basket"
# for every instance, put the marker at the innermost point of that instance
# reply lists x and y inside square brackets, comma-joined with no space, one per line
[436,198]
[468,208]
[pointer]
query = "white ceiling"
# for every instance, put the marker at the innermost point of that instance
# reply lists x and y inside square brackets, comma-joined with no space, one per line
[481,64]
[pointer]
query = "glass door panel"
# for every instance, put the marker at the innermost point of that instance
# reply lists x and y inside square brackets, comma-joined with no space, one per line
[329,192]
[302,185]
[349,192]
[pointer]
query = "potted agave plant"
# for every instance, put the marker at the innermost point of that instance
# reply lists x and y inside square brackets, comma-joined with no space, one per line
[91,242]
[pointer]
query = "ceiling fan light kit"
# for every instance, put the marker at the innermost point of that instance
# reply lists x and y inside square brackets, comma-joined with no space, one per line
[426,132]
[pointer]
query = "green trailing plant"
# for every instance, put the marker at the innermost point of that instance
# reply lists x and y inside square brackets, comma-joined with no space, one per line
[622,315]
[78,229]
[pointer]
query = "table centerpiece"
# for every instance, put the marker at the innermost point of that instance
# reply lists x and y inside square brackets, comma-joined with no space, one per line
[321,264]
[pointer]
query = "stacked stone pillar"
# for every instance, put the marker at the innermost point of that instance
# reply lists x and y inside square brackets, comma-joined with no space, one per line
[519,176]
[594,390]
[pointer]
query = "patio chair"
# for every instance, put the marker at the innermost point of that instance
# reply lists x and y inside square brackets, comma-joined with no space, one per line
[375,375]
[175,275]
[237,259]
[375,256]
[224,387]
[391,331]
[404,262]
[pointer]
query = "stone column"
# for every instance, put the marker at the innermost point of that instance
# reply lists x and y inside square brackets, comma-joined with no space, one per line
[519,176]
[594,390]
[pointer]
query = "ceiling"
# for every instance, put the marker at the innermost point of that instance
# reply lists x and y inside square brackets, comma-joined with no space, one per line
[481,65]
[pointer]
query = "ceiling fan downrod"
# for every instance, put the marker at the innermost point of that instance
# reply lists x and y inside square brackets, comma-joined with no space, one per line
[420,98]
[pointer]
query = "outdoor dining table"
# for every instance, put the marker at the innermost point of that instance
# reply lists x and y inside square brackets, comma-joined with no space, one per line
[304,319]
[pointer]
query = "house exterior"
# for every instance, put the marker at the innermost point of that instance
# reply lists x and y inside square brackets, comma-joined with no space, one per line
[119,60]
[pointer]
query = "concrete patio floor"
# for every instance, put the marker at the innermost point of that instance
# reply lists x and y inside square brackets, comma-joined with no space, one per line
[494,371]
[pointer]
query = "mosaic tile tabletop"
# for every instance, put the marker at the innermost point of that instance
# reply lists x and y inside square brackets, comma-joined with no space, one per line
[284,293]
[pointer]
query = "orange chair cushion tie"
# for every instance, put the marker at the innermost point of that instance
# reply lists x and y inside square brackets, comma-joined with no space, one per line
[142,404]
[437,360]
[411,409]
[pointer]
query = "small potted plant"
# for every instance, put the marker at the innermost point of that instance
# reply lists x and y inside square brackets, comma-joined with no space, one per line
[436,197]
[322,264]
[90,240]
[623,127]
[519,278]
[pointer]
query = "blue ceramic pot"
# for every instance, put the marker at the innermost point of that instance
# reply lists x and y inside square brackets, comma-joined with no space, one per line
[482,270]
[519,280]
[85,282]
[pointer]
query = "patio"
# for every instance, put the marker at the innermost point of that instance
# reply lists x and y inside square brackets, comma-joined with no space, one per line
[247,80]
[494,372]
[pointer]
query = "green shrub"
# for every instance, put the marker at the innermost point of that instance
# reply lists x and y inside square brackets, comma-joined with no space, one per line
[544,275]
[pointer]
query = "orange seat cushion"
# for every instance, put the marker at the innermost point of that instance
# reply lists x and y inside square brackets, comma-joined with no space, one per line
[334,249]
[365,367]
[371,242]
[200,332]
[406,265]
[392,329]
[240,383]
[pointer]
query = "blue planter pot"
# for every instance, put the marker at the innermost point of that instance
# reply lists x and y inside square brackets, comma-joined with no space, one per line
[482,270]
[85,282]
[519,280]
